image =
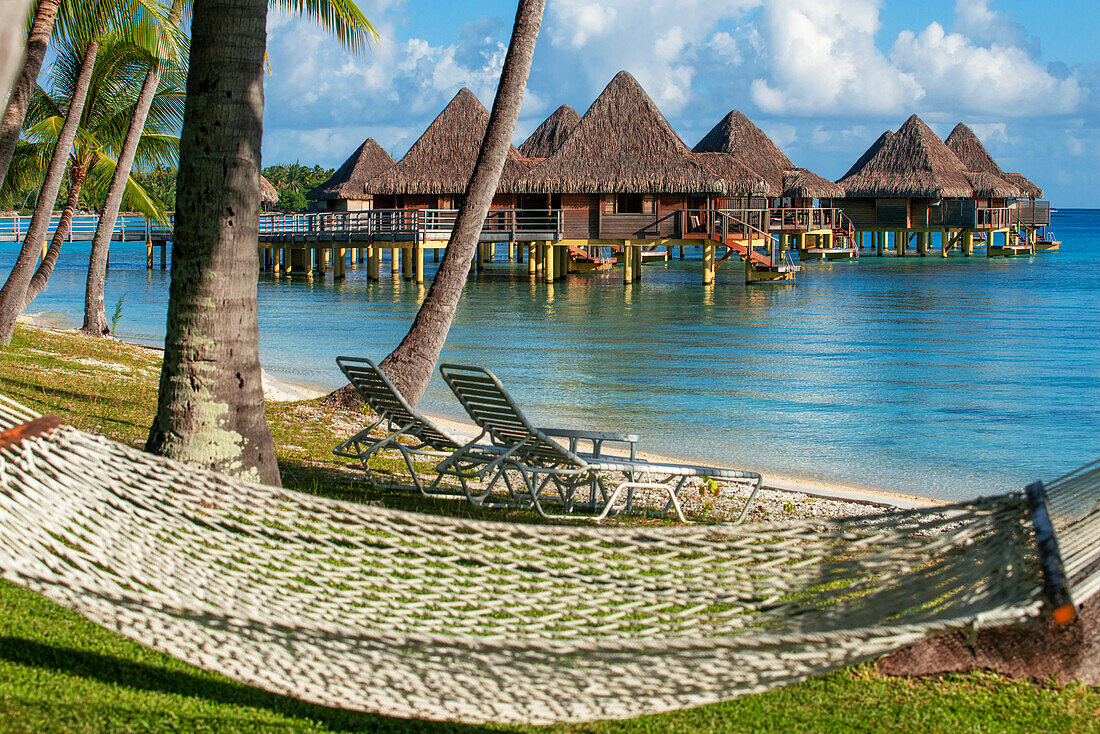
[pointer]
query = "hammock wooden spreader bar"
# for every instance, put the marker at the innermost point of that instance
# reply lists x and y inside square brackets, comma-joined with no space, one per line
[414,615]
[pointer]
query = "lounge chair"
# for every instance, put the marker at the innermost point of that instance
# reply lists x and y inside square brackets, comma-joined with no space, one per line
[549,469]
[411,435]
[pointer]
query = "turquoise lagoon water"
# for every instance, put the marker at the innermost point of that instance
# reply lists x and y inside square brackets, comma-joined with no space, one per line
[939,378]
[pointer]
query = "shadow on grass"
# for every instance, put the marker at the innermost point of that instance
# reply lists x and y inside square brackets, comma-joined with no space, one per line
[142,677]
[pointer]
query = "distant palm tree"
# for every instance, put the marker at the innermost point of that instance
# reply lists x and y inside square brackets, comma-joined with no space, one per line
[92,162]
[142,21]
[410,366]
[342,18]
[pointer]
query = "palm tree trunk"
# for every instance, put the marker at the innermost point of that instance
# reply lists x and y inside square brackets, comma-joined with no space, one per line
[37,41]
[410,366]
[95,313]
[210,407]
[77,172]
[14,292]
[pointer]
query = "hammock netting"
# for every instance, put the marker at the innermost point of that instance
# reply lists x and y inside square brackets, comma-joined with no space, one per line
[414,615]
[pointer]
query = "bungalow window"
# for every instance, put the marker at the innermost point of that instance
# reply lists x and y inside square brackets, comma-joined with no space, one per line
[629,204]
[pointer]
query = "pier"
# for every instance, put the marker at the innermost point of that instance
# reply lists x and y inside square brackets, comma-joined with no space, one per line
[317,243]
[129,227]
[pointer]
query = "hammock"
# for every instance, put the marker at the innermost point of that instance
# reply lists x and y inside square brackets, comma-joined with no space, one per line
[412,615]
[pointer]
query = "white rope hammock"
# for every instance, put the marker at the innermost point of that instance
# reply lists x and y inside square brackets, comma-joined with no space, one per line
[414,615]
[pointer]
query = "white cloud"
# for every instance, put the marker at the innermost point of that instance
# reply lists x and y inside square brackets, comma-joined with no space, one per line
[1002,80]
[978,21]
[822,58]
[656,41]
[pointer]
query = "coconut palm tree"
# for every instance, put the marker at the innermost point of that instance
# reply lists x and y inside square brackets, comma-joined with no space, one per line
[144,22]
[340,17]
[11,23]
[118,71]
[410,366]
[38,38]
[210,409]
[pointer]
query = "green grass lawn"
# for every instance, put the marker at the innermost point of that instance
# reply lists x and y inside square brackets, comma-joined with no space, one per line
[61,673]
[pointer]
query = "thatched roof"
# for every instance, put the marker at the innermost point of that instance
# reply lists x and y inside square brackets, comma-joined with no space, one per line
[990,186]
[551,133]
[971,153]
[347,182]
[991,180]
[268,193]
[737,135]
[869,154]
[623,144]
[743,180]
[442,160]
[1026,187]
[914,163]
[801,183]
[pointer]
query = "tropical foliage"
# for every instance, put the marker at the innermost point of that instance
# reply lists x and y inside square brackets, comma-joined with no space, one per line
[119,68]
[293,180]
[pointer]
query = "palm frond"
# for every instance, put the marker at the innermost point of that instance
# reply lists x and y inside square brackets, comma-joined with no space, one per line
[341,18]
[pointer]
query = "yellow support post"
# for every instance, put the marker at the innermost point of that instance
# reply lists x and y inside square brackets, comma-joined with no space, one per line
[945,243]
[148,254]
[531,258]
[548,262]
[628,262]
[708,261]
[418,263]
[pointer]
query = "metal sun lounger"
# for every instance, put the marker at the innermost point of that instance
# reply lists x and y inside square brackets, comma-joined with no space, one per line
[547,468]
[410,434]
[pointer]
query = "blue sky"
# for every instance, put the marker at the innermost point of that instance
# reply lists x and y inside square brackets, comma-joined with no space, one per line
[822,77]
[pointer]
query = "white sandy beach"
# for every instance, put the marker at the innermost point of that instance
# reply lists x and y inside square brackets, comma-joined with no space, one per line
[824,493]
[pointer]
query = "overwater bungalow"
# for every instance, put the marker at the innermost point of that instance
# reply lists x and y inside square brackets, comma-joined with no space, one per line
[625,179]
[791,210]
[344,191]
[550,135]
[1028,218]
[912,185]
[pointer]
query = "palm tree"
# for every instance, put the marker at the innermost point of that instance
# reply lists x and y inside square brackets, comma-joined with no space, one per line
[37,39]
[118,69]
[340,17]
[142,21]
[210,408]
[11,23]
[410,366]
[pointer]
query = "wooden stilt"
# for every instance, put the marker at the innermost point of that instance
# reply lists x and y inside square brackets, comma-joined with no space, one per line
[708,261]
[531,258]
[148,255]
[418,263]
[548,262]
[628,263]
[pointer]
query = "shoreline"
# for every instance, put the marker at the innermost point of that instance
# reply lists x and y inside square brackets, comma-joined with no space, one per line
[785,483]
[277,389]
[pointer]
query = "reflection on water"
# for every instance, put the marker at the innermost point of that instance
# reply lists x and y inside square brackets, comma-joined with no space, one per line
[948,378]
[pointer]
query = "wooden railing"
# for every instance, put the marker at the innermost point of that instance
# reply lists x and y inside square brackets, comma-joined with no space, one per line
[129,227]
[419,224]
[807,217]
[1031,213]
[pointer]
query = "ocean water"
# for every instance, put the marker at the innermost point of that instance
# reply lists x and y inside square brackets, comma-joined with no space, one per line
[943,378]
